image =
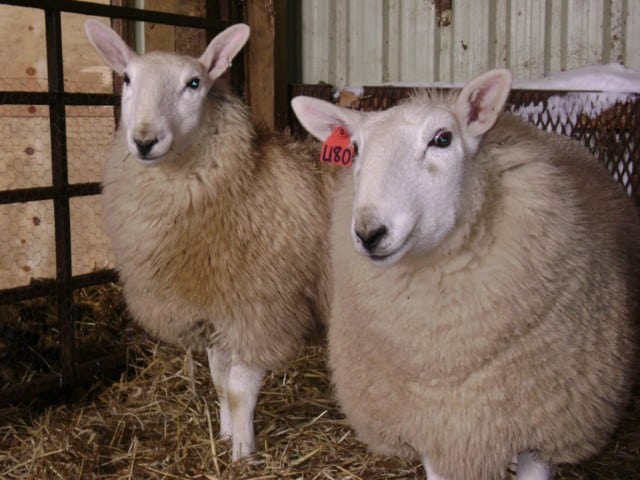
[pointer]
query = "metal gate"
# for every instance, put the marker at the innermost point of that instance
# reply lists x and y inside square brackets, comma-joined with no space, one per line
[71,369]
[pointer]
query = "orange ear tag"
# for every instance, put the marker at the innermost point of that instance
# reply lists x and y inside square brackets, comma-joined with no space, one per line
[337,148]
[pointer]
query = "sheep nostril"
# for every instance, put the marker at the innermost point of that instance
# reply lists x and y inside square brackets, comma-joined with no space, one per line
[145,146]
[370,238]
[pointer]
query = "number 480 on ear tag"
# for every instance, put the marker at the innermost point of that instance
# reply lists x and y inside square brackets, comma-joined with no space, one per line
[337,148]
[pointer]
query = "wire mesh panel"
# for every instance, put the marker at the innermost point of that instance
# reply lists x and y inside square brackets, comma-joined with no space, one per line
[608,124]
[26,142]
[28,243]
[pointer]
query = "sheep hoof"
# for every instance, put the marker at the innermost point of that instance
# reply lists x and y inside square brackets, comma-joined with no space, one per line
[242,449]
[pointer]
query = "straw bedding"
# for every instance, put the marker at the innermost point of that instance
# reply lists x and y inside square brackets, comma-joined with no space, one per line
[159,421]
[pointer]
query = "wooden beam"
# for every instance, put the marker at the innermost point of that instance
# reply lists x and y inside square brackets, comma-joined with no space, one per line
[267,61]
[169,38]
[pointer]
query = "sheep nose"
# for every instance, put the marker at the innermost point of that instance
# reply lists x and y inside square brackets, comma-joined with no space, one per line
[145,146]
[371,237]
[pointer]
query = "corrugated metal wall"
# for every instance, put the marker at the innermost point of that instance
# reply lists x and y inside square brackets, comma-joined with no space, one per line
[365,42]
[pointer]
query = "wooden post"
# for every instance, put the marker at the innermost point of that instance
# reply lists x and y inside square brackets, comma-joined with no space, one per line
[267,55]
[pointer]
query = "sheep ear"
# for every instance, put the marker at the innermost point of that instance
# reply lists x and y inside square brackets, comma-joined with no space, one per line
[320,118]
[115,52]
[482,100]
[223,48]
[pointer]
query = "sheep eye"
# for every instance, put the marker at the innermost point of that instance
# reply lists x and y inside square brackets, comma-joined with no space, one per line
[194,83]
[354,145]
[441,139]
[125,79]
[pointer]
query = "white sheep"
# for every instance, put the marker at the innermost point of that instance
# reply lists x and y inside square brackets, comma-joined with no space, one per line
[219,228]
[502,321]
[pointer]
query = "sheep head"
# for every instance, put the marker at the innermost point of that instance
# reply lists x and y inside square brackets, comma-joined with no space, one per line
[411,162]
[164,94]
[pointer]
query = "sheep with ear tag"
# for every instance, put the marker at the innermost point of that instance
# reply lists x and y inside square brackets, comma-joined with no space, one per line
[490,305]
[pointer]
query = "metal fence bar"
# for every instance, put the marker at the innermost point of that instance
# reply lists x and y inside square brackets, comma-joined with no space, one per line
[46,98]
[60,182]
[126,13]
[21,195]
[41,288]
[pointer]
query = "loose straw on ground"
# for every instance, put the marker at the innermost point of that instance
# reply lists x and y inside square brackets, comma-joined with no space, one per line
[159,421]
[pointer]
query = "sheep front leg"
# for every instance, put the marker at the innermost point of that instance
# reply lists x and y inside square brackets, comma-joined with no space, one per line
[244,385]
[220,365]
[530,468]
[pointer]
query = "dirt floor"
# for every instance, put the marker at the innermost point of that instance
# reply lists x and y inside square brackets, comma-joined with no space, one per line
[159,421]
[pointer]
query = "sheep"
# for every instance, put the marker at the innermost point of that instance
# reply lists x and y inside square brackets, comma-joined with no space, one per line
[487,309]
[219,227]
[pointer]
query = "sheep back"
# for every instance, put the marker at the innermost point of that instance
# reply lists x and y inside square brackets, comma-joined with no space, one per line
[226,244]
[518,332]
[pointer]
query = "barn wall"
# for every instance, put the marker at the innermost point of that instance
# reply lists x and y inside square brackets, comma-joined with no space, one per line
[365,42]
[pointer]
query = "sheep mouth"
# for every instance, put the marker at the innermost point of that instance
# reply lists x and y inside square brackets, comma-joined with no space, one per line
[385,259]
[150,160]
